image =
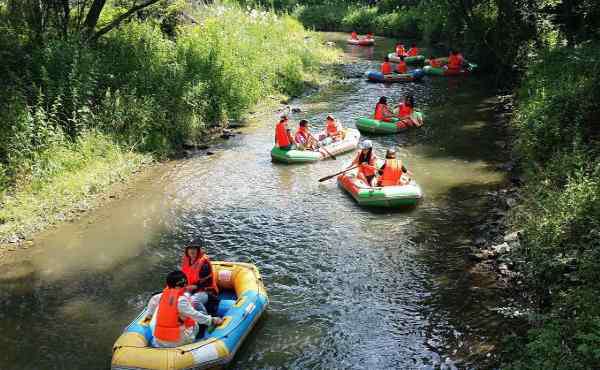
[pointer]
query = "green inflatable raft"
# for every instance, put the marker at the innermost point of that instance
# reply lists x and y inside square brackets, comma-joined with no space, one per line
[373,126]
[434,71]
[381,197]
[417,59]
[350,142]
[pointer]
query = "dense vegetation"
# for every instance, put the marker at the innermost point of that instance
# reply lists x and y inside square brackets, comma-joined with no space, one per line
[549,52]
[85,102]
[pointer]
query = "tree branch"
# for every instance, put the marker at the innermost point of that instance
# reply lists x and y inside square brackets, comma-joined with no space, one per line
[93,15]
[115,22]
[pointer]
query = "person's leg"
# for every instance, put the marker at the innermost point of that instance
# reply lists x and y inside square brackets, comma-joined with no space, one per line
[199,301]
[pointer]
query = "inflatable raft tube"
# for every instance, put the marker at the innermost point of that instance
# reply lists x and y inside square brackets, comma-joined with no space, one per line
[362,42]
[417,59]
[411,76]
[243,299]
[350,142]
[381,197]
[373,126]
[433,71]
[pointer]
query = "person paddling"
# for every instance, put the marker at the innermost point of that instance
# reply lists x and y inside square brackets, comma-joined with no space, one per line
[454,62]
[177,322]
[283,136]
[304,139]
[382,111]
[386,66]
[401,67]
[366,160]
[333,128]
[392,171]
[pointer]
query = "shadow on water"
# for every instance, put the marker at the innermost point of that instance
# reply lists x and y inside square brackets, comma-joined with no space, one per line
[348,287]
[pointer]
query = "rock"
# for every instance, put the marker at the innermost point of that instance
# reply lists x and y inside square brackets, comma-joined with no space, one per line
[501,248]
[209,153]
[283,101]
[510,202]
[503,267]
[512,237]
[296,110]
[330,43]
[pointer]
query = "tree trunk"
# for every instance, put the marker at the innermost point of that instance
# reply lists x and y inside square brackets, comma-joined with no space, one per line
[89,25]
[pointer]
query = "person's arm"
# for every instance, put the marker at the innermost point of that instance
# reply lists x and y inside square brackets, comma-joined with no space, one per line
[186,310]
[290,136]
[152,305]
[381,169]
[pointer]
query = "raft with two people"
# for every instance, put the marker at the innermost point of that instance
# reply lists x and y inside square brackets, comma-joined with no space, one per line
[414,75]
[242,301]
[410,56]
[385,121]
[368,40]
[394,187]
[453,65]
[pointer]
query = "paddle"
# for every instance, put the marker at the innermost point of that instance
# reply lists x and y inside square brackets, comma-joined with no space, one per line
[328,152]
[336,174]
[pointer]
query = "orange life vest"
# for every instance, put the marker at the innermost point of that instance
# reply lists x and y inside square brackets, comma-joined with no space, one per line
[331,127]
[281,135]
[366,168]
[301,135]
[454,62]
[354,36]
[400,50]
[401,67]
[168,322]
[404,110]
[435,63]
[380,110]
[386,68]
[192,272]
[413,52]
[392,173]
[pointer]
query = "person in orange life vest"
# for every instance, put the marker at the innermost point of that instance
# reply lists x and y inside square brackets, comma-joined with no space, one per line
[333,128]
[405,112]
[354,35]
[401,67]
[386,66]
[433,62]
[400,50]
[382,111]
[174,320]
[366,160]
[369,35]
[202,281]
[392,170]
[283,137]
[454,62]
[304,139]
[413,51]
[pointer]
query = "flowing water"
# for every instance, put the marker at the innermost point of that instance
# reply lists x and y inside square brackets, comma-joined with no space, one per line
[348,287]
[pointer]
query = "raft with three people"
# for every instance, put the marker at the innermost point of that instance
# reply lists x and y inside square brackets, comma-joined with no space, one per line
[327,149]
[242,301]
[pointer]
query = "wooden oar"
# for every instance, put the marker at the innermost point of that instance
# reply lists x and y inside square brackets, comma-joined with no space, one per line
[336,174]
[328,152]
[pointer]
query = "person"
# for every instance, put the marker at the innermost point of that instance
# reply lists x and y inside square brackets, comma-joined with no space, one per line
[333,128]
[369,36]
[365,160]
[200,275]
[400,49]
[413,51]
[283,136]
[401,67]
[406,110]
[304,139]
[435,63]
[386,66]
[460,57]
[382,111]
[177,322]
[454,62]
[392,171]
[354,35]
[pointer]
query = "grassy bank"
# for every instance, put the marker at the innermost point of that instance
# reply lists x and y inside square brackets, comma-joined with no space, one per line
[558,137]
[79,115]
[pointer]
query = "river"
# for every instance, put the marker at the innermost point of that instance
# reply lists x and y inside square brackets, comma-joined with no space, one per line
[348,287]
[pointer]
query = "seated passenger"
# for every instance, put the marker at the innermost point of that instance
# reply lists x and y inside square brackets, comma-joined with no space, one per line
[201,278]
[401,67]
[366,160]
[283,137]
[454,62]
[392,170]
[354,35]
[382,111]
[386,66]
[177,321]
[435,63]
[400,49]
[413,51]
[304,139]
[333,128]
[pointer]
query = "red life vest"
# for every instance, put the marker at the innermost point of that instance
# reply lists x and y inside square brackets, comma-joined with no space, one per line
[380,110]
[392,173]
[301,135]
[400,50]
[366,168]
[168,322]
[401,67]
[281,135]
[404,110]
[454,62]
[413,52]
[331,127]
[386,68]
[193,271]
[354,36]
[435,63]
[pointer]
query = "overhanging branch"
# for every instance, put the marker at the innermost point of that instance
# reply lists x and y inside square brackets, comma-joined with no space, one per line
[115,22]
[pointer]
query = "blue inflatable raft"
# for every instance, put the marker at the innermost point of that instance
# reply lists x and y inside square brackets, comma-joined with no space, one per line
[411,76]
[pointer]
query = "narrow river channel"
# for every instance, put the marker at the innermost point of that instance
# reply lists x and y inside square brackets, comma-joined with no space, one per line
[348,287]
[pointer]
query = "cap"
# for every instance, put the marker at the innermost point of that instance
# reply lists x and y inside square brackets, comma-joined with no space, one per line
[367,144]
